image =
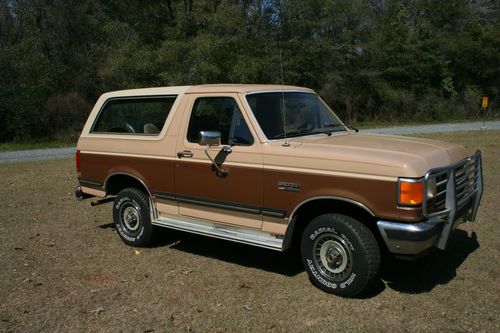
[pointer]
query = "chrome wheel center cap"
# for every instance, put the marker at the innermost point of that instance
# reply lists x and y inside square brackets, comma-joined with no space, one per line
[131,218]
[333,257]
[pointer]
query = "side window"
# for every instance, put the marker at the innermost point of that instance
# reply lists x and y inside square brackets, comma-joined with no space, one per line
[220,114]
[145,115]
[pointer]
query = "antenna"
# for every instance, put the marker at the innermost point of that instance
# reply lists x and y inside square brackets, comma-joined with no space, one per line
[281,66]
[283,116]
[285,144]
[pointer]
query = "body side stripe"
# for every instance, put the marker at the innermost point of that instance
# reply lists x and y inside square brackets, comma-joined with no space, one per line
[222,204]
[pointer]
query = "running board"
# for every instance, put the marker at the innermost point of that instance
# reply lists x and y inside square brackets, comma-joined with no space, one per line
[232,233]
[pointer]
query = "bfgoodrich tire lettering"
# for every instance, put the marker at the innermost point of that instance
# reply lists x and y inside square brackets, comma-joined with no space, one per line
[340,255]
[131,215]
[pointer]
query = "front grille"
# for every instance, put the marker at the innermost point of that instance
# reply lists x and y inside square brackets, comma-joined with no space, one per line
[467,180]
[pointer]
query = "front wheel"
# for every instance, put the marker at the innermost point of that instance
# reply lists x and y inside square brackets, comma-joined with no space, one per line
[131,215]
[340,255]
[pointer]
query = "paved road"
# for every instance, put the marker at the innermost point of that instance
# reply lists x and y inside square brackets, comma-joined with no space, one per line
[55,153]
[36,154]
[405,130]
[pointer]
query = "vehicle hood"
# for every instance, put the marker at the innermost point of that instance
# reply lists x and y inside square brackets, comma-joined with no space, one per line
[371,154]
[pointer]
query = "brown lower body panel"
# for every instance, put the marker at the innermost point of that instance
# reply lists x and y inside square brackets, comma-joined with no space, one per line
[249,186]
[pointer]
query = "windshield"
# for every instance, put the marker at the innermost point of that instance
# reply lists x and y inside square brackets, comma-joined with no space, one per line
[290,114]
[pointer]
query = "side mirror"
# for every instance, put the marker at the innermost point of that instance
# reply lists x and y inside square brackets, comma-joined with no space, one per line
[209,138]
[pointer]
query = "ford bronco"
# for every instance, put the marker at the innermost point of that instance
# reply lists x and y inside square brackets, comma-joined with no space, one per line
[273,166]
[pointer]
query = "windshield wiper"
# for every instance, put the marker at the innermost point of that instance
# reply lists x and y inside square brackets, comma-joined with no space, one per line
[334,125]
[290,134]
[334,128]
[299,133]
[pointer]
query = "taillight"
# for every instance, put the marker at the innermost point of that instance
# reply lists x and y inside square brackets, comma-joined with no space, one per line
[78,160]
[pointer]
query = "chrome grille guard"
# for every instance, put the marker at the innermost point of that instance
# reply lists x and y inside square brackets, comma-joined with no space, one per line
[459,187]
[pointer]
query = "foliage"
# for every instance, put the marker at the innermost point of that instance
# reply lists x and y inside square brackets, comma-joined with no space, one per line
[391,60]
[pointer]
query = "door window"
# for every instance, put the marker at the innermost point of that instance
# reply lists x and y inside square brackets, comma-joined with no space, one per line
[220,114]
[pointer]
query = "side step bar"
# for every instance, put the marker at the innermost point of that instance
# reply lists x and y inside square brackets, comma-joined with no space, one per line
[232,233]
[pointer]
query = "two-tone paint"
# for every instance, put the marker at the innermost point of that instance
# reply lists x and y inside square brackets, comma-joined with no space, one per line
[352,167]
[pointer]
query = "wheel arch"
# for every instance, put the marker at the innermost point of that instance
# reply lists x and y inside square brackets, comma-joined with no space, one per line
[117,181]
[308,209]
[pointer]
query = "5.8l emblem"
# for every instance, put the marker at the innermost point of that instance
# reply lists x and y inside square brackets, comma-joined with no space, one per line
[285,186]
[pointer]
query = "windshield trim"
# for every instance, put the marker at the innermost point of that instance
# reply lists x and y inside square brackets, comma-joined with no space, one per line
[257,125]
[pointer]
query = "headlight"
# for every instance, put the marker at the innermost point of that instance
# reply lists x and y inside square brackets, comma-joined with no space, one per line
[411,191]
[431,188]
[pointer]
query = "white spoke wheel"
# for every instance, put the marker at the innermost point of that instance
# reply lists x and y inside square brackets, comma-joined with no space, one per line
[131,215]
[340,255]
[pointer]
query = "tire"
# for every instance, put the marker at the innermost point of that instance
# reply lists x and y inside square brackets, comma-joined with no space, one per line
[131,215]
[340,255]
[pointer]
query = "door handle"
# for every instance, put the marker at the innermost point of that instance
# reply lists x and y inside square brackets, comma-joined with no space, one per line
[184,153]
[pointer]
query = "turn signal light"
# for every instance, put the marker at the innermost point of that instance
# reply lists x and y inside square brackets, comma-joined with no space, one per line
[411,192]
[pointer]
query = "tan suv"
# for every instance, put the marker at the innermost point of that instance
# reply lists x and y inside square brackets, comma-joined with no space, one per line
[273,166]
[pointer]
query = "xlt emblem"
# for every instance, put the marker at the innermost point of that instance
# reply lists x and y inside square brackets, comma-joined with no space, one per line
[285,186]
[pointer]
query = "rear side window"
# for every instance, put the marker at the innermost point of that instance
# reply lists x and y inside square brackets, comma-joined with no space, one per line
[145,115]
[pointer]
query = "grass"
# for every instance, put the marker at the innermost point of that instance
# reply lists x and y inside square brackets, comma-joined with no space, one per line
[65,269]
[10,146]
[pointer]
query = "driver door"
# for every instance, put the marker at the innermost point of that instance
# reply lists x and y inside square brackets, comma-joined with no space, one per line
[232,194]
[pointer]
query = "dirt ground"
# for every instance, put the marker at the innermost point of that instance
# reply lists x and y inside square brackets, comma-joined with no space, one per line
[64,268]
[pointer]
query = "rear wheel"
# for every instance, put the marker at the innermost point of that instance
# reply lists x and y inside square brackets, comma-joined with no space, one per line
[131,215]
[340,255]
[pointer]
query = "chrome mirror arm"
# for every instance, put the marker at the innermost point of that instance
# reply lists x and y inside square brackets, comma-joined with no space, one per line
[228,150]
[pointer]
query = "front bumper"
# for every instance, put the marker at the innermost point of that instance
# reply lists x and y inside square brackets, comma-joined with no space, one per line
[409,239]
[459,206]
